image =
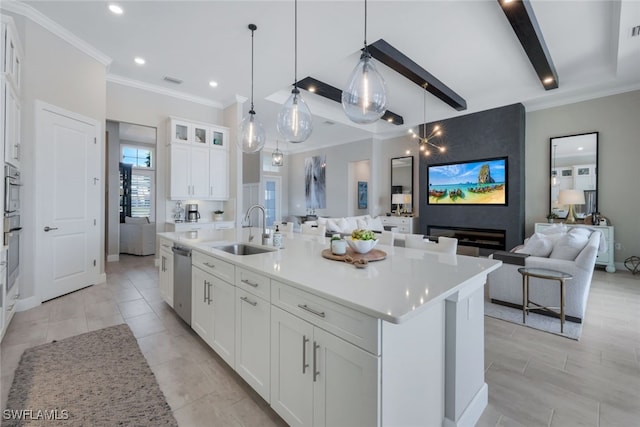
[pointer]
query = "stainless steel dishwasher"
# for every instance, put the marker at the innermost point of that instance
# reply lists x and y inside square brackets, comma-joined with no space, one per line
[182,282]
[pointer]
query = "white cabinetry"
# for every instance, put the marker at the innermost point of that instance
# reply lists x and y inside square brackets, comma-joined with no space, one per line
[165,278]
[199,161]
[404,224]
[318,378]
[212,304]
[604,258]
[12,63]
[253,327]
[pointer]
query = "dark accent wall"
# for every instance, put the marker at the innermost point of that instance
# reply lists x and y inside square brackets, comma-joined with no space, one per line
[498,132]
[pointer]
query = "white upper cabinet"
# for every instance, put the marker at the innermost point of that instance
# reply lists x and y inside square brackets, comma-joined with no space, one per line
[12,61]
[199,161]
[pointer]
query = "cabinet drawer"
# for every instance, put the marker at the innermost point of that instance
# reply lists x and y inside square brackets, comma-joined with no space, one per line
[215,266]
[253,283]
[350,325]
[166,244]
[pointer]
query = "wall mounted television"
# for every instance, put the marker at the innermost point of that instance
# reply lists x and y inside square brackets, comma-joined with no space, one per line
[476,182]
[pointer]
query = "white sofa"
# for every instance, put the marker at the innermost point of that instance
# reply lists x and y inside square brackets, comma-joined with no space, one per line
[572,251]
[346,225]
[138,236]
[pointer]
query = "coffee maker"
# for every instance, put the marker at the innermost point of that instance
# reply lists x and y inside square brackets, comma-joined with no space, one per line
[192,212]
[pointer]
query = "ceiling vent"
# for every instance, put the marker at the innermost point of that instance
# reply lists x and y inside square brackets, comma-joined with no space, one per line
[635,31]
[172,80]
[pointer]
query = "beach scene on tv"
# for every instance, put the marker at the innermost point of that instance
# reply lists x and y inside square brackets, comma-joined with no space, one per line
[474,183]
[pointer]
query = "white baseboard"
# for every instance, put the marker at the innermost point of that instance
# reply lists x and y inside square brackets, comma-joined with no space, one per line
[27,303]
[113,258]
[474,410]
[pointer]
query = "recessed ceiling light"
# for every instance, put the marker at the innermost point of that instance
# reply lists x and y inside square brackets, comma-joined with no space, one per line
[213,83]
[312,89]
[390,120]
[115,9]
[548,80]
[139,61]
[580,148]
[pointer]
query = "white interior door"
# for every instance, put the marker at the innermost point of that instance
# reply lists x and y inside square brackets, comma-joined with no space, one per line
[67,202]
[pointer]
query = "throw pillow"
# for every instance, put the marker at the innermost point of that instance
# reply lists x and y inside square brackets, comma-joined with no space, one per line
[569,246]
[537,245]
[353,223]
[362,223]
[332,225]
[344,226]
[136,220]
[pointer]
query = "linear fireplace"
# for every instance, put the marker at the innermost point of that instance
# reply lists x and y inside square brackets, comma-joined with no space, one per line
[482,238]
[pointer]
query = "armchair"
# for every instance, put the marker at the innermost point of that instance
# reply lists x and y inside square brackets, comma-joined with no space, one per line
[505,283]
[138,236]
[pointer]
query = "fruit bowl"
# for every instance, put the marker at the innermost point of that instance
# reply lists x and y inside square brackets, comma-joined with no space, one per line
[361,246]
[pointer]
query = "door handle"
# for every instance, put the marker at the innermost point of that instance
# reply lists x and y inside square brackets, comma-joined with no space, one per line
[47,228]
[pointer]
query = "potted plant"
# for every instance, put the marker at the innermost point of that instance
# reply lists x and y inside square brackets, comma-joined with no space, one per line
[218,215]
[551,217]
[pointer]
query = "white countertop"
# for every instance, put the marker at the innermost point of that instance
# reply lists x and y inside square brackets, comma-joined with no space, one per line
[393,289]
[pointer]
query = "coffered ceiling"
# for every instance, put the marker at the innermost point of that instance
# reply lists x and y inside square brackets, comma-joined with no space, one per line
[468,45]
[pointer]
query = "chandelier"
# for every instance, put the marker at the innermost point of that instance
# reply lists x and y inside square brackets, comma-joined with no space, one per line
[425,141]
[277,158]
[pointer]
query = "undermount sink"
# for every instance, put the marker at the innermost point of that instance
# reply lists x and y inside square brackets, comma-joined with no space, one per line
[243,249]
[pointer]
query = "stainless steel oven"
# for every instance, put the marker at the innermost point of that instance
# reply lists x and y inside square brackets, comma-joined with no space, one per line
[12,229]
[12,184]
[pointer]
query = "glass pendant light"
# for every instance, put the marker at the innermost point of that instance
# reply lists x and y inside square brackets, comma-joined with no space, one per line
[364,99]
[252,136]
[294,120]
[277,158]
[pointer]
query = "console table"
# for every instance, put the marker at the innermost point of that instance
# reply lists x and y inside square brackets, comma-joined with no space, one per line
[604,258]
[405,224]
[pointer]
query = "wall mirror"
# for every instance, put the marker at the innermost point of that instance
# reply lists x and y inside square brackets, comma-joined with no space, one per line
[402,184]
[574,165]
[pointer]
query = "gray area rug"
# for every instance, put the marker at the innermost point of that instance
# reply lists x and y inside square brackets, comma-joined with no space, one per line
[99,378]
[536,321]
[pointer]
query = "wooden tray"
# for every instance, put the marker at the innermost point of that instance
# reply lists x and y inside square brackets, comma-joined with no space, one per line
[372,255]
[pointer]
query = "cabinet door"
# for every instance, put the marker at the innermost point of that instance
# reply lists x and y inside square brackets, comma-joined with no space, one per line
[199,169]
[223,336]
[166,276]
[12,126]
[201,308]
[199,136]
[291,368]
[346,383]
[252,341]
[180,185]
[218,138]
[180,132]
[219,174]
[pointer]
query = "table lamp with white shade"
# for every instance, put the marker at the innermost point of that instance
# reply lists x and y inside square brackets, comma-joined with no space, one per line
[571,197]
[397,199]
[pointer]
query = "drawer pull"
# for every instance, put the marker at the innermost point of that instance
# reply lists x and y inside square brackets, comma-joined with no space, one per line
[210,265]
[247,300]
[250,283]
[10,307]
[305,365]
[312,311]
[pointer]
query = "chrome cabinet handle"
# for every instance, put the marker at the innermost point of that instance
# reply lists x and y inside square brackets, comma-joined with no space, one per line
[248,282]
[209,284]
[204,290]
[305,365]
[312,311]
[210,265]
[163,268]
[10,307]
[315,358]
[47,228]
[247,300]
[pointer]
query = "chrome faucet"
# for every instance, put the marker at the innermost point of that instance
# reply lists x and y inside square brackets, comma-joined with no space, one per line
[265,235]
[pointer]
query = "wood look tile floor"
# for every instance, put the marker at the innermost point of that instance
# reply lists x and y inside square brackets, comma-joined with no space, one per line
[534,378]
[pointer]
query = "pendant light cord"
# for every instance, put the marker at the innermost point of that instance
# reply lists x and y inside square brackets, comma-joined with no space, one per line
[295,48]
[365,24]
[252,69]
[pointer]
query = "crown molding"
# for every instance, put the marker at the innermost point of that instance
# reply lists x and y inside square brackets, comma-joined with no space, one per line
[27,11]
[114,78]
[578,96]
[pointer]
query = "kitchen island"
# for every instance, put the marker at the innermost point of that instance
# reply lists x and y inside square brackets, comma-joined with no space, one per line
[399,343]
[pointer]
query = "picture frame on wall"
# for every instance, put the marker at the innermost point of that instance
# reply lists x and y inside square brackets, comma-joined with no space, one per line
[362,194]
